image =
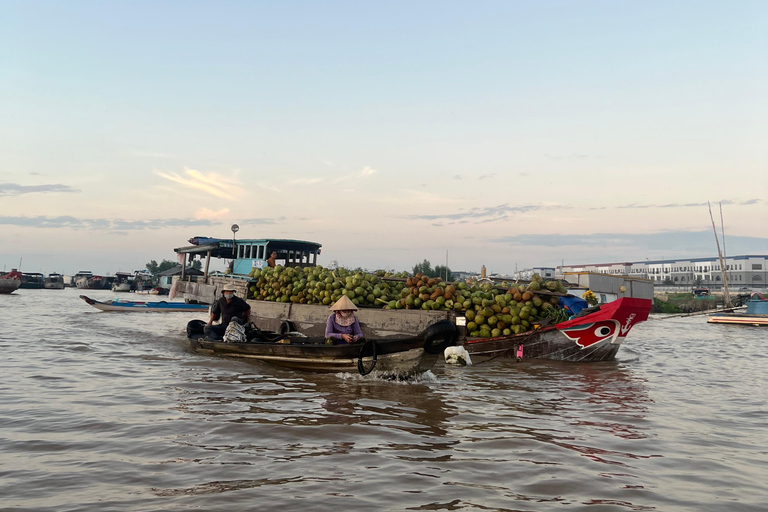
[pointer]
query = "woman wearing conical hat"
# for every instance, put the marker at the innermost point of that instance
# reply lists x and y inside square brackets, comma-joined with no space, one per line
[342,325]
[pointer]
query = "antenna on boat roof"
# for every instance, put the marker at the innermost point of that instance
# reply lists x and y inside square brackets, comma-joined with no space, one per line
[726,295]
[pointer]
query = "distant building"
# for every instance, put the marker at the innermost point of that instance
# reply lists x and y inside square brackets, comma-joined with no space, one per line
[166,276]
[745,270]
[527,273]
[459,275]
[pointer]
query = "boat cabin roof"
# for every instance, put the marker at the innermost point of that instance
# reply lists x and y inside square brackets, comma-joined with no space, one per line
[226,248]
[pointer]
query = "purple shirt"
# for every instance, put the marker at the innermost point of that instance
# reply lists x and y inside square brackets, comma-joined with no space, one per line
[334,330]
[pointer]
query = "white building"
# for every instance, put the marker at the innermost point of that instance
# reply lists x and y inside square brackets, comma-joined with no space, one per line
[741,271]
[527,273]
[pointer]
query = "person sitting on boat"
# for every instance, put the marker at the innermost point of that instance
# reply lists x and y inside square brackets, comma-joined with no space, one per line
[229,308]
[271,261]
[342,325]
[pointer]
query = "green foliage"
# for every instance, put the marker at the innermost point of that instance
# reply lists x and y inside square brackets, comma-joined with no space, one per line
[197,265]
[659,306]
[153,267]
[425,267]
[444,273]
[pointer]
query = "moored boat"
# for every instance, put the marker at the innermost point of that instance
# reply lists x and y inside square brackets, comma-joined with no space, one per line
[132,306]
[594,335]
[756,314]
[32,280]
[10,281]
[87,281]
[399,356]
[121,282]
[54,282]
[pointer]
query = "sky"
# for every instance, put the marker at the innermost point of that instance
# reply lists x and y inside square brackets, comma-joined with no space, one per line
[508,134]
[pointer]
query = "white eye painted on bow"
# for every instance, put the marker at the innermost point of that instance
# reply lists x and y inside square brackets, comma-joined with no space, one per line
[602,331]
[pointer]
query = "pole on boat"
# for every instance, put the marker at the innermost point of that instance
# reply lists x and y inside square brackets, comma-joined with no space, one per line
[207,262]
[726,295]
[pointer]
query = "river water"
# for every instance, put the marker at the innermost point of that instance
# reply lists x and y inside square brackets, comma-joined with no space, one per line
[112,412]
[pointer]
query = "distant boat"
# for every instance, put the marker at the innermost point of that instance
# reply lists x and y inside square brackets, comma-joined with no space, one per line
[756,315]
[10,281]
[33,280]
[132,306]
[54,282]
[122,282]
[87,281]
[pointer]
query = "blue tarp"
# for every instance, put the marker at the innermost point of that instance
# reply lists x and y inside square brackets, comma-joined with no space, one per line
[573,304]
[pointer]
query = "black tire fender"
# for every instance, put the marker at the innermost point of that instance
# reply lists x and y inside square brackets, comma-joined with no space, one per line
[374,355]
[286,327]
[443,331]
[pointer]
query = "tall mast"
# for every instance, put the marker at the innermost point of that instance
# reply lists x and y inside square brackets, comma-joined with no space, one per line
[726,295]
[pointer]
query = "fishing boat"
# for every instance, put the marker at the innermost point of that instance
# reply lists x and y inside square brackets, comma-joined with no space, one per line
[54,282]
[132,306]
[10,281]
[397,356]
[594,335]
[756,314]
[32,280]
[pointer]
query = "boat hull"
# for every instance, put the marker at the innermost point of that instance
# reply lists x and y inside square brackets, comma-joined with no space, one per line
[738,319]
[397,357]
[596,336]
[143,307]
[10,282]
[92,283]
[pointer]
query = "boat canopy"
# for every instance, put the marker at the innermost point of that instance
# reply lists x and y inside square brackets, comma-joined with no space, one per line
[252,253]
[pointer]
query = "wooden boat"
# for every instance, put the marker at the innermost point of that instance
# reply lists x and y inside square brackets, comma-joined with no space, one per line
[399,356]
[54,282]
[595,335]
[132,306]
[757,314]
[10,281]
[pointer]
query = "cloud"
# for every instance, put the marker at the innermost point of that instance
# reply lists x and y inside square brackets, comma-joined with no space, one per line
[66,221]
[13,189]
[689,205]
[356,177]
[210,183]
[205,213]
[263,221]
[489,214]
[486,176]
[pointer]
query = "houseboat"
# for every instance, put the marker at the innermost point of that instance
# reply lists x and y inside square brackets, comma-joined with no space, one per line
[34,280]
[122,282]
[87,281]
[54,282]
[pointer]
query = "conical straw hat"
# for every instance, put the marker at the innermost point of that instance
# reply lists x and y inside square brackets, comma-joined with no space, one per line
[344,304]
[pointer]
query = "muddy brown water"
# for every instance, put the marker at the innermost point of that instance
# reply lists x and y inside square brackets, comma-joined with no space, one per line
[112,412]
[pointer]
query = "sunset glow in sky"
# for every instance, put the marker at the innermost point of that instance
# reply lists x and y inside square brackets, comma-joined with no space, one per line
[500,133]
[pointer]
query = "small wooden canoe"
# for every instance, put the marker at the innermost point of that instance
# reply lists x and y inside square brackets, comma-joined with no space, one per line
[132,306]
[398,356]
